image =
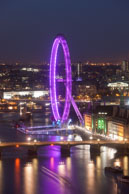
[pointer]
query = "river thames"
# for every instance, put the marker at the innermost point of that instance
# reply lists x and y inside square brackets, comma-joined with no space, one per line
[49,172]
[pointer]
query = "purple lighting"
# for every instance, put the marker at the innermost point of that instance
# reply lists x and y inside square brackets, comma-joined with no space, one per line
[53,96]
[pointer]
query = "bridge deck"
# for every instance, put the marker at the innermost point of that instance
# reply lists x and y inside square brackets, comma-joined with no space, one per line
[41,131]
[64,143]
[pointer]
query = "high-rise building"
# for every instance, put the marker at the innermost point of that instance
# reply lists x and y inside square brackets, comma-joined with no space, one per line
[125,66]
[79,69]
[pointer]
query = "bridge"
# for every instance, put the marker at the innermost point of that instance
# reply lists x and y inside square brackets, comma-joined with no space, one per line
[95,145]
[64,143]
[41,131]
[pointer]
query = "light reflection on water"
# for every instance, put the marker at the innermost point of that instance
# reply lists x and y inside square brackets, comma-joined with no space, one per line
[126,165]
[75,174]
[98,167]
[52,163]
[17,174]
[29,179]
[30,175]
[78,173]
[69,166]
[117,162]
[62,168]
[90,181]
[1,176]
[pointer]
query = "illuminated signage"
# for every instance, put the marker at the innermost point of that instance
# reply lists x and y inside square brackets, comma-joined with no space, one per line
[88,122]
[102,124]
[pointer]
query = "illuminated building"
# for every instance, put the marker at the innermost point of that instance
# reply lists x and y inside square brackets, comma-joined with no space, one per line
[18,94]
[125,66]
[116,129]
[88,120]
[109,120]
[100,124]
[118,85]
[24,77]
[86,89]
[118,123]
[8,106]
[96,123]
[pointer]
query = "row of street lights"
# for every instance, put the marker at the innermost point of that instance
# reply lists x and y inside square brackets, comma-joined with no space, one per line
[91,138]
[29,139]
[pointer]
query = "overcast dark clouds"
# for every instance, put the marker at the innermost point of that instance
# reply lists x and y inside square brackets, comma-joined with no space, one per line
[95,29]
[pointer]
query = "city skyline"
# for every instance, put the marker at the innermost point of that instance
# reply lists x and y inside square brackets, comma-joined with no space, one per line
[95,31]
[64,97]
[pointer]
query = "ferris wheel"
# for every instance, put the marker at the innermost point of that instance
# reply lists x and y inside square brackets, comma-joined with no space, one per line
[60,40]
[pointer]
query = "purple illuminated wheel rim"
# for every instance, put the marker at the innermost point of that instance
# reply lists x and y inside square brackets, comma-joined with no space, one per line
[68,82]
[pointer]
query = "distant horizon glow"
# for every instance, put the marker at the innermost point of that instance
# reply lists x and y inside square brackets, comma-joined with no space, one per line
[96,30]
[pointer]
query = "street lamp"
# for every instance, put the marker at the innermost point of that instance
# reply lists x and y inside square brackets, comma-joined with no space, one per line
[61,138]
[29,139]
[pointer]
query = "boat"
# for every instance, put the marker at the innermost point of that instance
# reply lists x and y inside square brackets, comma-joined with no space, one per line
[116,169]
[17,124]
[26,116]
[123,179]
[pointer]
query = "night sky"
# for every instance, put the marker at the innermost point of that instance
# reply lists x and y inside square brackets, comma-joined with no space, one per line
[96,30]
